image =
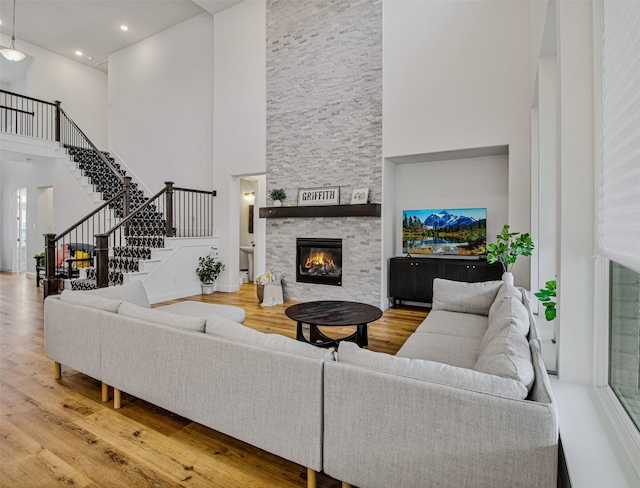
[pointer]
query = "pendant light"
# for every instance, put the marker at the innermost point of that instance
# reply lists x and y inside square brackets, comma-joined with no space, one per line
[12,54]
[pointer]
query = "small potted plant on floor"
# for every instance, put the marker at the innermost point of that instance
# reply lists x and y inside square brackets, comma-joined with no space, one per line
[547,297]
[277,195]
[209,268]
[506,250]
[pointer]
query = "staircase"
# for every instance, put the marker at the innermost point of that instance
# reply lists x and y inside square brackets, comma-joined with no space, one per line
[146,231]
[125,234]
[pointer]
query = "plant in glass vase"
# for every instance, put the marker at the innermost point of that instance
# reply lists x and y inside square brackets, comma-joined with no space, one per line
[208,270]
[506,250]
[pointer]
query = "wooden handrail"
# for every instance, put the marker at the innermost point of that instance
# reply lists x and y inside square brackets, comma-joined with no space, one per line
[96,150]
[135,212]
[206,192]
[88,216]
[28,98]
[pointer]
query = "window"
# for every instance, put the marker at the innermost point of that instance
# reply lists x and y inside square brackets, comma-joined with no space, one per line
[618,209]
[624,339]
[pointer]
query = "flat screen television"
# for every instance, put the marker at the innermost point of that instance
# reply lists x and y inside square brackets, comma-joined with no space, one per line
[450,232]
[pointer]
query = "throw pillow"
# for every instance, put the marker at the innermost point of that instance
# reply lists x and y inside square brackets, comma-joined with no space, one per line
[508,355]
[62,253]
[508,312]
[132,292]
[82,259]
[433,372]
[226,329]
[87,300]
[195,324]
[505,290]
[459,296]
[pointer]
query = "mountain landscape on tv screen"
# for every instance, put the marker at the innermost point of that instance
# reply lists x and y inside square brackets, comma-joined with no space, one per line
[455,232]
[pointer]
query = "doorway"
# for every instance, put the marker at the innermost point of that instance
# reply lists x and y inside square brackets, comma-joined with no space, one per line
[19,261]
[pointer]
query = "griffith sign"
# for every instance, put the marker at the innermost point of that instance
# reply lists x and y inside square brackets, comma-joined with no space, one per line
[319,196]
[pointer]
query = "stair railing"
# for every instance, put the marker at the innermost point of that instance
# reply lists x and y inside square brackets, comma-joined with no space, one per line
[183,212]
[27,116]
[31,117]
[71,135]
[59,263]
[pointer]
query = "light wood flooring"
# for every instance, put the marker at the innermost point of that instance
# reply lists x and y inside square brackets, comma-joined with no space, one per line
[59,433]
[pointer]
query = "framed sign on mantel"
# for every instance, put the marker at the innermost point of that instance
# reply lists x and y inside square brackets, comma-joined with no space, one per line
[329,195]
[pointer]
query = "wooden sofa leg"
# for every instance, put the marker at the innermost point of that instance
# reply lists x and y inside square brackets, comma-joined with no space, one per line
[117,399]
[311,478]
[105,392]
[57,370]
[345,485]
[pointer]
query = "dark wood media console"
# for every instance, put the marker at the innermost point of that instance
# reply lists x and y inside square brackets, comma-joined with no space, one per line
[412,278]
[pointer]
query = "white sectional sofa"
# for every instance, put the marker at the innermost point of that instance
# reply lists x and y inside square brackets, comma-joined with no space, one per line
[264,389]
[466,402]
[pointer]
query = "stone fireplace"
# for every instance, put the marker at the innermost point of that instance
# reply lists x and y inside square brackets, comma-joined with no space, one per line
[319,261]
[324,129]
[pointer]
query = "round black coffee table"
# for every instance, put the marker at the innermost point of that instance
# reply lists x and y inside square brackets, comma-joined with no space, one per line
[333,313]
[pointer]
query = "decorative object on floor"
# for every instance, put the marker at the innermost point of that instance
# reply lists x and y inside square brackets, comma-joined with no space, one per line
[359,196]
[269,288]
[11,53]
[277,195]
[507,249]
[209,268]
[329,195]
[547,297]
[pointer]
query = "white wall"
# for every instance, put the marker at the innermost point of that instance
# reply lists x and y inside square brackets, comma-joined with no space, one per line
[81,88]
[161,105]
[70,203]
[577,191]
[480,183]
[457,75]
[239,120]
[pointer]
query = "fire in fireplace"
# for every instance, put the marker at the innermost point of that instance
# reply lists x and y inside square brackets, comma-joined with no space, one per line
[319,261]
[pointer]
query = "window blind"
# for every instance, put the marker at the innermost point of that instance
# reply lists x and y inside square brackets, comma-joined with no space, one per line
[619,212]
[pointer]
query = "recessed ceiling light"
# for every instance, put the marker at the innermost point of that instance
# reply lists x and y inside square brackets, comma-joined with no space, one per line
[124,28]
[89,58]
[78,53]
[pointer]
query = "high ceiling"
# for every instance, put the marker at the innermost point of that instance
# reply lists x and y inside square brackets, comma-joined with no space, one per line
[93,26]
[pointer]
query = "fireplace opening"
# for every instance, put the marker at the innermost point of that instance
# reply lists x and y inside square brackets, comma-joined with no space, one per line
[319,261]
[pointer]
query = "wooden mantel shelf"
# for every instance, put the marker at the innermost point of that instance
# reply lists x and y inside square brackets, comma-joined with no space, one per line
[363,210]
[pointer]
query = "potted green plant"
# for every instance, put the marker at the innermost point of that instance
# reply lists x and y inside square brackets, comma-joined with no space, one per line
[277,195]
[209,268]
[547,297]
[506,250]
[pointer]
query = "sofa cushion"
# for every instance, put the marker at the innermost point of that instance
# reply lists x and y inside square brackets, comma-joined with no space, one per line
[454,323]
[441,348]
[193,308]
[541,389]
[507,355]
[132,310]
[509,312]
[132,292]
[87,300]
[459,296]
[505,291]
[226,329]
[431,371]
